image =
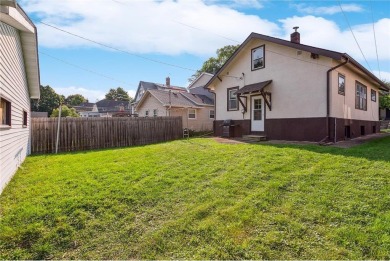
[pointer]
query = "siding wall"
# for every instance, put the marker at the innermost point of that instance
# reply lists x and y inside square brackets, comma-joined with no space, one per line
[14,141]
[201,123]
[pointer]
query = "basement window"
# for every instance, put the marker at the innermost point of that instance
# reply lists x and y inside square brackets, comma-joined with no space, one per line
[5,113]
[341,84]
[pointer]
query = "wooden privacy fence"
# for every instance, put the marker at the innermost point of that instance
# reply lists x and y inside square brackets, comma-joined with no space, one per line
[98,133]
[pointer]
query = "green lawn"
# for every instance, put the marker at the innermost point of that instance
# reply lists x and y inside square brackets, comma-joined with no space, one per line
[198,199]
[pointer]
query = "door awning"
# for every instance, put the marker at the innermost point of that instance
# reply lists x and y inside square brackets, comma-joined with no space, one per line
[251,88]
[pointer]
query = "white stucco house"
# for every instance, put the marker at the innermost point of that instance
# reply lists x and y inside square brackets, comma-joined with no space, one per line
[290,91]
[19,82]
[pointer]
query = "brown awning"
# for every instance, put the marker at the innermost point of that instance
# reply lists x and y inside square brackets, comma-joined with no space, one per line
[251,88]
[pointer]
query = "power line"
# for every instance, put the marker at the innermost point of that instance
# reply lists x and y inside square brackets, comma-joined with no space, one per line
[117,49]
[350,28]
[85,69]
[376,47]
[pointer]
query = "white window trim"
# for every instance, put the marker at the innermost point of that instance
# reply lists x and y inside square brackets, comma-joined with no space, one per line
[189,114]
[210,114]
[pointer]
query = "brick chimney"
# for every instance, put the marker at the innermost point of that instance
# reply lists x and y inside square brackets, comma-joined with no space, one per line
[295,36]
[168,81]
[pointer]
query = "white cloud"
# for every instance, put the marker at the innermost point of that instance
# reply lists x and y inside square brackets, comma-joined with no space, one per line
[91,95]
[328,10]
[320,32]
[146,26]
[254,4]
[131,93]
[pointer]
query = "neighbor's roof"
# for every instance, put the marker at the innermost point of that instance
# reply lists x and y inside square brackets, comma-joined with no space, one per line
[177,99]
[157,86]
[111,103]
[12,14]
[201,90]
[331,54]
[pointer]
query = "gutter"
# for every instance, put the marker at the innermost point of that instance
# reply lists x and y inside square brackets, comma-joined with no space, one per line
[328,94]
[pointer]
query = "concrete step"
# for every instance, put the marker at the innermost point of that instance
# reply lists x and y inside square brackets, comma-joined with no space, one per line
[254,138]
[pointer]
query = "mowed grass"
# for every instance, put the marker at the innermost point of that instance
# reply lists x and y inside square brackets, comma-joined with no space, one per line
[198,199]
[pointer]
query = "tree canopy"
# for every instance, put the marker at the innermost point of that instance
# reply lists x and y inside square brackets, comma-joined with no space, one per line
[48,101]
[213,64]
[118,94]
[75,99]
[65,112]
[384,100]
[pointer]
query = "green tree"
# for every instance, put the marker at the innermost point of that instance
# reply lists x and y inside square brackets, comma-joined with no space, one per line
[49,100]
[75,99]
[65,112]
[384,99]
[213,64]
[118,94]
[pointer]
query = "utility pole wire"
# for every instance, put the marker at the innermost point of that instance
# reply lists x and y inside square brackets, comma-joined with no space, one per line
[350,28]
[376,47]
[117,49]
[85,69]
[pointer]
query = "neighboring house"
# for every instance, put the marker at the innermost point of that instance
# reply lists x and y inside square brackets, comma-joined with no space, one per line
[39,114]
[202,79]
[19,82]
[84,107]
[145,86]
[112,108]
[196,110]
[94,112]
[289,91]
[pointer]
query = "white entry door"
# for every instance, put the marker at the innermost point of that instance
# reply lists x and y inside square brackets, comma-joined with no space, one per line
[257,113]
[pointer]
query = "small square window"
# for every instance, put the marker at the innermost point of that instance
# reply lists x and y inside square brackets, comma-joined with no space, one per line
[257,57]
[341,84]
[373,95]
[155,114]
[24,119]
[212,114]
[5,112]
[147,113]
[191,114]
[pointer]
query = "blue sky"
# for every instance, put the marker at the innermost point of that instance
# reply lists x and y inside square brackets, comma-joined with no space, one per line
[184,33]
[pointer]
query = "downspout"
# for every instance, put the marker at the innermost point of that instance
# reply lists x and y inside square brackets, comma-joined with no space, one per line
[328,95]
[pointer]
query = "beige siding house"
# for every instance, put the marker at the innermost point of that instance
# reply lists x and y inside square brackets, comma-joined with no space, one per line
[290,91]
[197,111]
[19,82]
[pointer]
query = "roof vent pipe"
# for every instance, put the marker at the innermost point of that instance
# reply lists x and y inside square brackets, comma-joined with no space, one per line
[296,36]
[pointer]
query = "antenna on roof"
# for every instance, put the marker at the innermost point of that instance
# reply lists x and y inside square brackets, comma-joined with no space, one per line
[296,28]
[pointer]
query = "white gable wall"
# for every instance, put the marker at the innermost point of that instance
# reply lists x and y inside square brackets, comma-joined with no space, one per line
[14,141]
[298,82]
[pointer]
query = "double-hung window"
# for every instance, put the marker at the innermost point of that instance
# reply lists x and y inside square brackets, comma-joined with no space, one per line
[361,97]
[147,113]
[5,112]
[373,95]
[232,101]
[341,84]
[212,114]
[191,114]
[257,57]
[155,114]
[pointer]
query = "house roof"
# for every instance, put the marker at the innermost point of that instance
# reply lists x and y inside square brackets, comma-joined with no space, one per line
[177,99]
[157,86]
[328,53]
[12,14]
[202,91]
[111,103]
[256,87]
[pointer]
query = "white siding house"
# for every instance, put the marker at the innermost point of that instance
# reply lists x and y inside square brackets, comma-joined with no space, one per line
[19,82]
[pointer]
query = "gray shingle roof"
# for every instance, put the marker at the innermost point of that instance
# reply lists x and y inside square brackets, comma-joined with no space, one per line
[175,99]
